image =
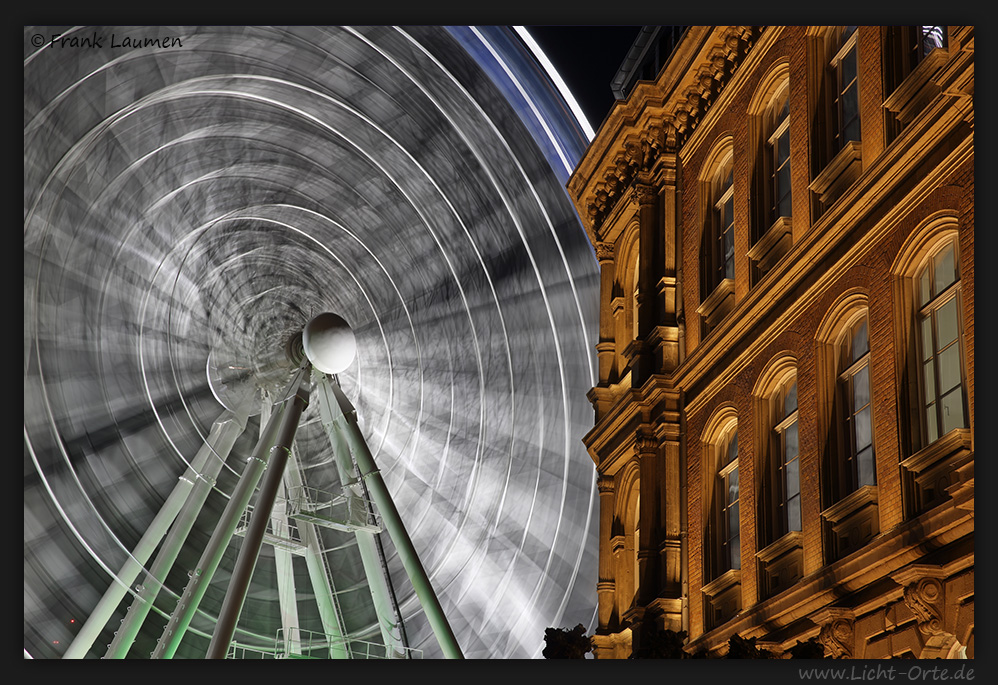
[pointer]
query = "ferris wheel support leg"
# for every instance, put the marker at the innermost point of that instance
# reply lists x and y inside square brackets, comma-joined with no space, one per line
[366,543]
[249,552]
[393,522]
[187,606]
[223,433]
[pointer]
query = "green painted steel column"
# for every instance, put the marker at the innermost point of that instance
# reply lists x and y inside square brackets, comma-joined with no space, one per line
[187,606]
[393,523]
[223,435]
[224,432]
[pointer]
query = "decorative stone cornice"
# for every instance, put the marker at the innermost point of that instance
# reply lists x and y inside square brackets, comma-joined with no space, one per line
[671,124]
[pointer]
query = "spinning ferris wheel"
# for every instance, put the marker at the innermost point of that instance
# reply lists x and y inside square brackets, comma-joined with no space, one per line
[201,479]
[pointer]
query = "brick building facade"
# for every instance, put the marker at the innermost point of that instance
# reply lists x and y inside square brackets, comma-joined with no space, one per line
[784,418]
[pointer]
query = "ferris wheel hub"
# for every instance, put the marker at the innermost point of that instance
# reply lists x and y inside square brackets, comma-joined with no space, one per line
[329,343]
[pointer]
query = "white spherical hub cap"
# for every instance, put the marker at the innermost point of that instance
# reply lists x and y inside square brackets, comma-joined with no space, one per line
[329,343]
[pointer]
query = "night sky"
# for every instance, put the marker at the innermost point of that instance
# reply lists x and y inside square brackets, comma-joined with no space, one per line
[587,57]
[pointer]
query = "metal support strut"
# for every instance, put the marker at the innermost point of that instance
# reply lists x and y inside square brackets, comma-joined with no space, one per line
[249,552]
[347,422]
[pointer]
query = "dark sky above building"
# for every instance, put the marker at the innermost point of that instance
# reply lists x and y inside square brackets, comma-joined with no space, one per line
[587,57]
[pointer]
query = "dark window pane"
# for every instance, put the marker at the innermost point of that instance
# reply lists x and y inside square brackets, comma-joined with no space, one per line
[791,442]
[848,71]
[793,514]
[733,486]
[865,467]
[783,148]
[851,131]
[924,294]
[930,423]
[733,520]
[734,552]
[733,449]
[928,348]
[860,341]
[861,388]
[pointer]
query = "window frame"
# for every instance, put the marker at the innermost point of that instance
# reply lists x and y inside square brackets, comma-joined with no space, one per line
[951,292]
[779,434]
[727,466]
[778,126]
[848,48]
[849,455]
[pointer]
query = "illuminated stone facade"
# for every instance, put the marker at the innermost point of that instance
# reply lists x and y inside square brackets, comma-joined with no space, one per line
[784,418]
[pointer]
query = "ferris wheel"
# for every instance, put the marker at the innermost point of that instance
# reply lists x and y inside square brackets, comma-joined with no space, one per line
[309,324]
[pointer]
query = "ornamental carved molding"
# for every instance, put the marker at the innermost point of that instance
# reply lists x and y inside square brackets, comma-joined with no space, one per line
[666,133]
[605,484]
[604,252]
[645,194]
[837,632]
[645,444]
[837,637]
[925,600]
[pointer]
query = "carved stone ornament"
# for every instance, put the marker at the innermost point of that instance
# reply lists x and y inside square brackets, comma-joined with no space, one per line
[645,444]
[604,484]
[837,637]
[604,252]
[924,598]
[645,194]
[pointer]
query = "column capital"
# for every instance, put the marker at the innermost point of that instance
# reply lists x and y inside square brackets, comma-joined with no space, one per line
[604,484]
[604,252]
[645,194]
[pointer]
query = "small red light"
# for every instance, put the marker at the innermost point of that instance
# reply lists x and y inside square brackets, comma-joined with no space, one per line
[72,620]
[55,642]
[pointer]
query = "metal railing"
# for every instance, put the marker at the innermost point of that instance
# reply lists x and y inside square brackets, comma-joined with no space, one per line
[296,643]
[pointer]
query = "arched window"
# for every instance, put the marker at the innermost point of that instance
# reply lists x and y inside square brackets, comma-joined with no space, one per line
[778,156]
[778,520]
[857,465]
[727,484]
[723,225]
[771,197]
[717,244]
[834,96]
[722,537]
[933,386]
[845,427]
[787,443]
[843,71]
[939,329]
